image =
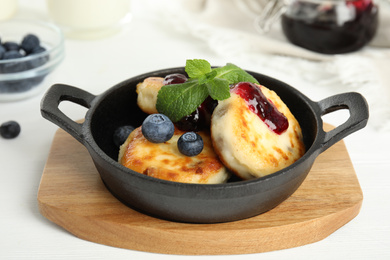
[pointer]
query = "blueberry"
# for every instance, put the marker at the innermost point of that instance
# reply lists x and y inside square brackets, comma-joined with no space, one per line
[37,50]
[121,134]
[158,128]
[29,43]
[190,144]
[12,54]
[12,67]
[11,46]
[15,86]
[10,129]
[34,63]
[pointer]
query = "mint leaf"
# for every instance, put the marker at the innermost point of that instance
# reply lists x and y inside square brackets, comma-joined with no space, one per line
[234,74]
[207,77]
[197,68]
[218,89]
[179,100]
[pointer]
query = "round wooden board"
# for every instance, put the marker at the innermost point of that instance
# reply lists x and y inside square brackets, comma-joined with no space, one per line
[72,195]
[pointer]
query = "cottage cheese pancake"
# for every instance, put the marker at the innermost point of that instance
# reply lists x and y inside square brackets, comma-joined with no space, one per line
[147,94]
[164,161]
[250,146]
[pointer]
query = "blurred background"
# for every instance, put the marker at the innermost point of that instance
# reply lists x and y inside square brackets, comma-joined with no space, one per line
[341,45]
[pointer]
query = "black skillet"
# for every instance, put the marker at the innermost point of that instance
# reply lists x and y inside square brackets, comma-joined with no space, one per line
[196,203]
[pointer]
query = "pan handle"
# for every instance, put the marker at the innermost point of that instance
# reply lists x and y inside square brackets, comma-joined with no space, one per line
[358,109]
[50,110]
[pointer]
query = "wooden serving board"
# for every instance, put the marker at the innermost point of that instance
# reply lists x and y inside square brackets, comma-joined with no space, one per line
[72,195]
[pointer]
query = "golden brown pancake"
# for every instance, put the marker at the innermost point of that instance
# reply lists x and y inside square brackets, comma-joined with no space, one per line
[246,145]
[147,94]
[164,161]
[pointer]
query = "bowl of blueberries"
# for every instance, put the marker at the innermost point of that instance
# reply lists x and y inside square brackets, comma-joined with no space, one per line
[29,52]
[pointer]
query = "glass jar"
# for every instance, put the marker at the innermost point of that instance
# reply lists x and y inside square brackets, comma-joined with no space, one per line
[330,26]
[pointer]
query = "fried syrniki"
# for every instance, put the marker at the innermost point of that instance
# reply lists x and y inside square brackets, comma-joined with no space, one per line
[147,91]
[247,144]
[164,161]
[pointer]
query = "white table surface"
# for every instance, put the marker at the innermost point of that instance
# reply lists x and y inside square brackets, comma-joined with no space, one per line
[97,65]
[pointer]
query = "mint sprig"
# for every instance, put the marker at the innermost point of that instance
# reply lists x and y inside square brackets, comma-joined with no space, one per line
[179,100]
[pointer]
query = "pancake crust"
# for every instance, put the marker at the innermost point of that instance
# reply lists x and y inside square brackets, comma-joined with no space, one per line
[246,145]
[147,94]
[164,161]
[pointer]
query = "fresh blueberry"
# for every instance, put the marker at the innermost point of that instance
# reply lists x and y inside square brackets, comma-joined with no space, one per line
[39,61]
[12,54]
[37,50]
[15,86]
[158,128]
[11,46]
[190,144]
[10,129]
[121,134]
[12,67]
[29,43]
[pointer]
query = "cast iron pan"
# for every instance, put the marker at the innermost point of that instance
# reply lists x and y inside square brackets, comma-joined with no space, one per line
[196,203]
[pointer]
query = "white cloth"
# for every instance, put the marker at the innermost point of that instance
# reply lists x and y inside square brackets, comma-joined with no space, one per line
[227,27]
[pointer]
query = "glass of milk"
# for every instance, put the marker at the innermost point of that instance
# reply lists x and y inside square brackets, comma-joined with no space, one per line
[89,19]
[7,9]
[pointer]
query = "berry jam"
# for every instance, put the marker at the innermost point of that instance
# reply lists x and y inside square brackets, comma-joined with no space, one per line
[199,119]
[261,106]
[330,27]
[176,78]
[191,122]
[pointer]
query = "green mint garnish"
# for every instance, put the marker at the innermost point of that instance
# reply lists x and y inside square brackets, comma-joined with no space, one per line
[179,100]
[234,74]
[197,68]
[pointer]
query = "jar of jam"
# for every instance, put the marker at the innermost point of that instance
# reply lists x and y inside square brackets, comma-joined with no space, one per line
[330,26]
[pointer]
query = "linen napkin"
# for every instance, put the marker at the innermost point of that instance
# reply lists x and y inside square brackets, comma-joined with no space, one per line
[228,28]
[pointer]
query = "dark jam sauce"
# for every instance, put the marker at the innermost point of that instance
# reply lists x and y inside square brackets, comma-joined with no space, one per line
[201,117]
[261,106]
[321,29]
[176,78]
